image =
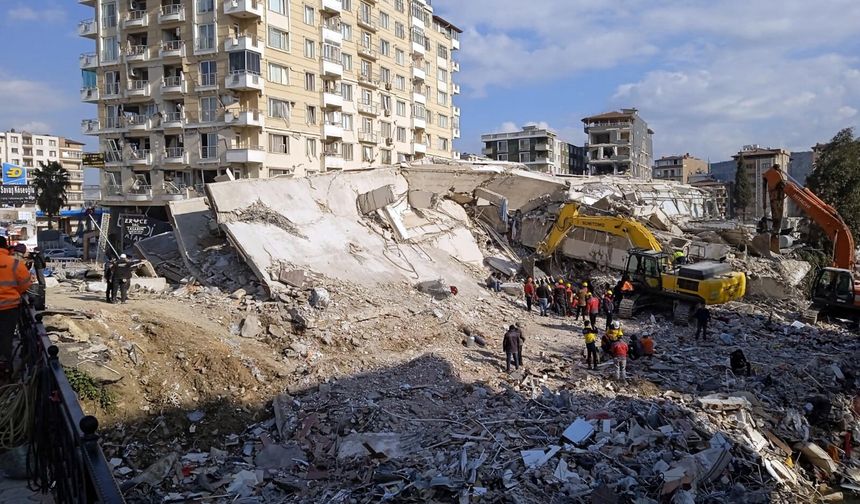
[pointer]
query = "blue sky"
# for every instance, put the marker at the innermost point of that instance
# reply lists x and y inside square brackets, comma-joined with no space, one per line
[708,76]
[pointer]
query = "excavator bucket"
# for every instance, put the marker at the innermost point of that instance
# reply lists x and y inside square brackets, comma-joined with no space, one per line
[531,269]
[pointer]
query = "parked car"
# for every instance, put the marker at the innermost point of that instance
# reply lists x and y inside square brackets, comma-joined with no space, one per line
[62,254]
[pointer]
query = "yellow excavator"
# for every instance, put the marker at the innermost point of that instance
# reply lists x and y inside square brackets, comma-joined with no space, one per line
[656,280]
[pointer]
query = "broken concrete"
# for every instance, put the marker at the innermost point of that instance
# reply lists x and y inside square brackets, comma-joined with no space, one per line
[376,199]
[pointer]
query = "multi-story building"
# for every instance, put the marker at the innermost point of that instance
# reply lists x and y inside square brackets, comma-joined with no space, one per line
[188,91]
[679,168]
[578,160]
[755,161]
[28,150]
[540,149]
[619,143]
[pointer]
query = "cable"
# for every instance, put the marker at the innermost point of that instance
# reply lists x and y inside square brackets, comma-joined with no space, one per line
[17,407]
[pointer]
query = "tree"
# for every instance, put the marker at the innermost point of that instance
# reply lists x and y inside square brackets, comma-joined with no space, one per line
[742,194]
[836,177]
[51,181]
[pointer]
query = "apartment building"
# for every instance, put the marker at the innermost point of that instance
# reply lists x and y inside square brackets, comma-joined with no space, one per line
[191,91]
[619,143]
[540,149]
[28,150]
[756,160]
[679,168]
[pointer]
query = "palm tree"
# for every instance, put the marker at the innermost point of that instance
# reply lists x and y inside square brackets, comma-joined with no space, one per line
[51,181]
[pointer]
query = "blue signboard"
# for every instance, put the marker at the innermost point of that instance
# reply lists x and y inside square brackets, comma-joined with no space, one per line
[14,175]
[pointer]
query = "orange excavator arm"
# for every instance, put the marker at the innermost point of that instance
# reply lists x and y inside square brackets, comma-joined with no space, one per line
[779,185]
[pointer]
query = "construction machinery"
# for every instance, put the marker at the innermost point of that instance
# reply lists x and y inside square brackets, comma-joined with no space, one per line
[835,290]
[656,280]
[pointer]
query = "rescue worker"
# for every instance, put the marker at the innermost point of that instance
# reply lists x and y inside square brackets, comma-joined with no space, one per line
[608,307]
[592,305]
[571,300]
[109,279]
[619,354]
[679,258]
[14,282]
[590,347]
[39,265]
[560,295]
[703,316]
[647,345]
[122,272]
[635,347]
[543,295]
[512,345]
[529,293]
[582,298]
[624,288]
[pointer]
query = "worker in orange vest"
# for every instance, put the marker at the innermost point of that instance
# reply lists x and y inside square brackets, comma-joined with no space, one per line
[14,282]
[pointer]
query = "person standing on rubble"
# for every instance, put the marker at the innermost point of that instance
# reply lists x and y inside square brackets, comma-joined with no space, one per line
[122,277]
[570,300]
[512,345]
[703,316]
[109,279]
[619,354]
[559,293]
[592,305]
[529,292]
[39,265]
[608,307]
[582,296]
[543,295]
[14,282]
[590,335]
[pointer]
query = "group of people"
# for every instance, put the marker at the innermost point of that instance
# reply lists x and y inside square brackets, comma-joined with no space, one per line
[117,275]
[577,300]
[612,345]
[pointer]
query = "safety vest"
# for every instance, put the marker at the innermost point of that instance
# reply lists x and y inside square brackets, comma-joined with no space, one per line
[14,280]
[627,287]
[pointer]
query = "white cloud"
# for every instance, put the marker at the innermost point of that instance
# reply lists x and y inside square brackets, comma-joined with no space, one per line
[33,127]
[32,105]
[23,13]
[508,127]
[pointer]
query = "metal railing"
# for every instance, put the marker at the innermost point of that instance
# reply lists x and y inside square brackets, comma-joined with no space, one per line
[112,88]
[208,79]
[135,15]
[174,152]
[65,457]
[172,45]
[171,10]
[172,117]
[174,81]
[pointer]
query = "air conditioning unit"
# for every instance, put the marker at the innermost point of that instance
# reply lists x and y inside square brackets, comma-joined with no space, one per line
[388,86]
[389,142]
[387,112]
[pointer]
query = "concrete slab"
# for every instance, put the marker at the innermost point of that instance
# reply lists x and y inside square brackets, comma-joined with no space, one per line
[380,197]
[190,220]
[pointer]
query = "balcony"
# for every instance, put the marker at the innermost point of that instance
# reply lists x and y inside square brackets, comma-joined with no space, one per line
[136,53]
[455,44]
[172,49]
[242,80]
[368,108]
[137,122]
[456,111]
[419,123]
[456,133]
[368,137]
[174,85]
[252,154]
[332,30]
[89,60]
[333,161]
[367,80]
[136,19]
[140,88]
[175,156]
[91,3]
[139,193]
[243,8]
[90,127]
[245,42]
[172,191]
[455,66]
[113,123]
[543,146]
[112,192]
[245,118]
[419,148]
[366,22]
[174,13]
[90,94]
[88,28]
[332,67]
[367,51]
[455,89]
[418,74]
[173,120]
[140,157]
[331,6]
[332,99]
[419,97]
[333,130]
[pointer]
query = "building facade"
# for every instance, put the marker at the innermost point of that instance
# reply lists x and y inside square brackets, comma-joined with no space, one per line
[189,91]
[540,149]
[756,160]
[578,160]
[619,143]
[679,168]
[28,150]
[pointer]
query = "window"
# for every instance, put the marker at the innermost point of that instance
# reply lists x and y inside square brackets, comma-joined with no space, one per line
[503,157]
[385,156]
[52,143]
[279,108]
[208,73]
[443,121]
[310,82]
[346,150]
[311,115]
[502,146]
[279,144]
[310,48]
[366,69]
[525,144]
[279,74]
[109,14]
[443,143]
[400,82]
[347,122]
[208,145]
[442,51]
[244,62]
[385,129]
[14,140]
[346,91]
[442,98]
[385,47]
[311,147]
[398,4]
[442,75]
[347,31]
[401,134]
[53,154]
[208,108]
[385,101]
[110,49]
[309,15]
[279,6]
[366,97]
[205,6]
[399,30]
[279,39]
[39,141]
[399,57]
[367,154]
[525,157]
[40,152]
[347,5]
[385,75]
[384,20]
[14,149]
[206,37]
[346,60]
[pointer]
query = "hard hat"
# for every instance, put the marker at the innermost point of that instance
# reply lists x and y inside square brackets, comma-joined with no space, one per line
[585,284]
[609,292]
[123,256]
[568,285]
[616,325]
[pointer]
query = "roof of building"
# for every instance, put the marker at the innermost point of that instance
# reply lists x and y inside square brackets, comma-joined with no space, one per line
[610,115]
[446,23]
[759,151]
[799,167]
[684,156]
[73,142]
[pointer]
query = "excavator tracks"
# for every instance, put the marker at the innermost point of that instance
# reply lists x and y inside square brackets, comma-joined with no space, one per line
[681,312]
[627,307]
[809,316]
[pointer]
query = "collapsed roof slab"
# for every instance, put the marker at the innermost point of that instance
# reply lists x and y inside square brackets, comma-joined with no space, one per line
[190,219]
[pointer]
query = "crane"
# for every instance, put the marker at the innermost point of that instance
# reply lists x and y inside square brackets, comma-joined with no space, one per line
[835,289]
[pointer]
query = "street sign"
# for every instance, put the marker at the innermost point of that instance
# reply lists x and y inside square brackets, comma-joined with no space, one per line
[14,175]
[94,159]
[12,195]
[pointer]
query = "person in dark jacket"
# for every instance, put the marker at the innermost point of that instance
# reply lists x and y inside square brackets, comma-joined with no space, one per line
[39,266]
[122,272]
[703,316]
[513,346]
[544,295]
[109,279]
[560,295]
[608,308]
